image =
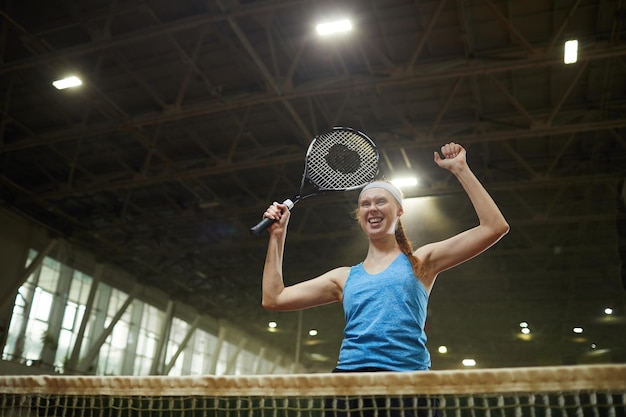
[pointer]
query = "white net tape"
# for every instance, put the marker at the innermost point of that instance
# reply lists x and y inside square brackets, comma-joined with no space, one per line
[553,391]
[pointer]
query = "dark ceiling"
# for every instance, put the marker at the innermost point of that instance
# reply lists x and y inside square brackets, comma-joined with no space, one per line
[195,115]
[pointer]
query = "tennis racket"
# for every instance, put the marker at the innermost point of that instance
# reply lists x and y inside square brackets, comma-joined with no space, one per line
[340,159]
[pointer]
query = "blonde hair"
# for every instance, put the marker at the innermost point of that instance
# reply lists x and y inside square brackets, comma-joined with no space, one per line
[407,248]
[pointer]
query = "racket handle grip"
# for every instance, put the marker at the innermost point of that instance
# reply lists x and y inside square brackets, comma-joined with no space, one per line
[264,224]
[261,226]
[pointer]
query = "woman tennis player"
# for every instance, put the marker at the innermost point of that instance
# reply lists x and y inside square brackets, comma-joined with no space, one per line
[385,296]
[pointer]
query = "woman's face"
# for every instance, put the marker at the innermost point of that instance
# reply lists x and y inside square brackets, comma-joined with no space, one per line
[378,211]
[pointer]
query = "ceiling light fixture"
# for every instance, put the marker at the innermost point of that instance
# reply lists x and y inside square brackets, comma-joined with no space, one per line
[468,362]
[67,82]
[312,332]
[405,182]
[608,311]
[337,26]
[442,349]
[570,52]
[577,330]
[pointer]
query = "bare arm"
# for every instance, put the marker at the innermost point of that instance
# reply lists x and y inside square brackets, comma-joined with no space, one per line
[324,289]
[439,256]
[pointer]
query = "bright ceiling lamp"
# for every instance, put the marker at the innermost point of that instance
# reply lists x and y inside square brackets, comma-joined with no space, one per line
[570,52]
[468,362]
[404,182]
[337,26]
[67,82]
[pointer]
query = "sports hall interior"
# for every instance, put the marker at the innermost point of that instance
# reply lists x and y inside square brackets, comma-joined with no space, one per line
[126,201]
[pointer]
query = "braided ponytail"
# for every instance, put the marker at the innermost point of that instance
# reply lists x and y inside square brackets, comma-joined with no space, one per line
[407,248]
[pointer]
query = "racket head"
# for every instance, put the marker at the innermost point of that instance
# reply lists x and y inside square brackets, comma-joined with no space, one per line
[341,159]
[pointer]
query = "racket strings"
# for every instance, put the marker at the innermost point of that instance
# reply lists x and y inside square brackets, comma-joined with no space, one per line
[342,159]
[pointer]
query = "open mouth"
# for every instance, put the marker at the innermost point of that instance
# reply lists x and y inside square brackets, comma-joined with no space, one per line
[375,220]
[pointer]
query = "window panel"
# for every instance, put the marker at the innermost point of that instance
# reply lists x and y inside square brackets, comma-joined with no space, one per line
[34,303]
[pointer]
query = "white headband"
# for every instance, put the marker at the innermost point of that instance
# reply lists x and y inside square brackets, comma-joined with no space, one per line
[395,192]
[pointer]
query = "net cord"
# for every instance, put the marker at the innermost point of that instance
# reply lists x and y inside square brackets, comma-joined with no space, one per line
[514,380]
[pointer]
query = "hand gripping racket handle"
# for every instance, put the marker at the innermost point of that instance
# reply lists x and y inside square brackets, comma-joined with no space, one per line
[265,223]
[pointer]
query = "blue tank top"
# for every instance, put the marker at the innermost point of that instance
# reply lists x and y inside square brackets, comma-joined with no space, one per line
[385,316]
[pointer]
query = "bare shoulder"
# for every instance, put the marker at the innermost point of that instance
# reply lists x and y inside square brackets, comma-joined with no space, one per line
[330,284]
[424,253]
[338,275]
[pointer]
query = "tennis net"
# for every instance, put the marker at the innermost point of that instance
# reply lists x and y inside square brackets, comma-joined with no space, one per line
[586,390]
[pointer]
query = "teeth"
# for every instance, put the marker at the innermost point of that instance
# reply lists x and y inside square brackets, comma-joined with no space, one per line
[375,220]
